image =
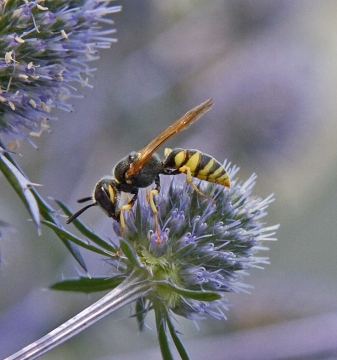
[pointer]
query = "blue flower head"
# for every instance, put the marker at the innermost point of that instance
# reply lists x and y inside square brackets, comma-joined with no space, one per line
[183,261]
[206,242]
[45,50]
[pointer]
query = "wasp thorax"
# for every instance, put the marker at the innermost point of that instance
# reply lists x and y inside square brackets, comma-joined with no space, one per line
[106,195]
[123,166]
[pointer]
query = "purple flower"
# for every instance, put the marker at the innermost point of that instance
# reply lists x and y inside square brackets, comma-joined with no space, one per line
[46,47]
[206,245]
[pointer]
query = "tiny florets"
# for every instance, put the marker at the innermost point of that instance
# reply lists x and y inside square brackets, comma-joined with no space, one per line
[45,47]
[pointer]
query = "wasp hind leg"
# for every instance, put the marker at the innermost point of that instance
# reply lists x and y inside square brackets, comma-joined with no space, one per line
[185,169]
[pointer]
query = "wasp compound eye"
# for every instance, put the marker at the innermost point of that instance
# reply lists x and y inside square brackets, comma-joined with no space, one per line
[133,156]
[106,195]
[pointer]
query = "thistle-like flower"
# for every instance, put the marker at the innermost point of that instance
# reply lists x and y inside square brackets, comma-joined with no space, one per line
[45,49]
[206,245]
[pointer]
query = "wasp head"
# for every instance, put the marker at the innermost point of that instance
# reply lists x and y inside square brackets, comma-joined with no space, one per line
[107,196]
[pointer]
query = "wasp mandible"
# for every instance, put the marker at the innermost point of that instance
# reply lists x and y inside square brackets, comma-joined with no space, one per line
[141,169]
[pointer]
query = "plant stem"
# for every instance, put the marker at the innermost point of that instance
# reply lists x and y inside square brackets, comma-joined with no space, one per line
[129,290]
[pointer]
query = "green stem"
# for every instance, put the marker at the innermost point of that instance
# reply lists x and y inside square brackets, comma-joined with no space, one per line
[177,342]
[161,330]
[128,291]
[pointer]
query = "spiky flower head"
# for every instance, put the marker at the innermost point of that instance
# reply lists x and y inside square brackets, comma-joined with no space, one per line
[206,243]
[45,49]
[184,261]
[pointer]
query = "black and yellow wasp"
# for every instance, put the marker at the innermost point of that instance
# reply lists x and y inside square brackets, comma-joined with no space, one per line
[140,169]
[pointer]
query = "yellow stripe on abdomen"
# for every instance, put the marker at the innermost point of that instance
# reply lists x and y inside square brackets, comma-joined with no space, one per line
[193,162]
[223,180]
[179,159]
[216,173]
[205,171]
[220,176]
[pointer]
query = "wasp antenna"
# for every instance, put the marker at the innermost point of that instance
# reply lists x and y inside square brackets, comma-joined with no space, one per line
[85,199]
[79,212]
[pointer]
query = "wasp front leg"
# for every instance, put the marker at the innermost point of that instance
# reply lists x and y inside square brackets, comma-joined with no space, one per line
[125,207]
[154,192]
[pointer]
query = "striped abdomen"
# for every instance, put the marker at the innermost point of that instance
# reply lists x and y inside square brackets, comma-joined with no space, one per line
[202,166]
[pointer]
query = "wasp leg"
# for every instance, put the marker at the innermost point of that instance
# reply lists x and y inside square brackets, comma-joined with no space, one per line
[184,169]
[155,213]
[187,171]
[157,182]
[125,207]
[150,199]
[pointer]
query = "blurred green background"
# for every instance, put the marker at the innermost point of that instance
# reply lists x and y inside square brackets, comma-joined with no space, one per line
[270,68]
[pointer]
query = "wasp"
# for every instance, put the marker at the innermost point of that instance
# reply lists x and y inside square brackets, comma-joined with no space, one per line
[141,169]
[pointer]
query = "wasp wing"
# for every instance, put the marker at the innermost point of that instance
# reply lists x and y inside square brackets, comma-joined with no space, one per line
[183,123]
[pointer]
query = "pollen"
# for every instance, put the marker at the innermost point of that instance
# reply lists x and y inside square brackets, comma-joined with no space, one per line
[12,106]
[19,40]
[42,8]
[33,103]
[8,57]
[64,34]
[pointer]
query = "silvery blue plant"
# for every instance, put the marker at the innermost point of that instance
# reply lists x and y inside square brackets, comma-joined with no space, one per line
[207,245]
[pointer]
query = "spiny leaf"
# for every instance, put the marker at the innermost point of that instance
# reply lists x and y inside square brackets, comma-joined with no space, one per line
[88,285]
[200,295]
[130,253]
[86,231]
[77,240]
[22,186]
[177,342]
